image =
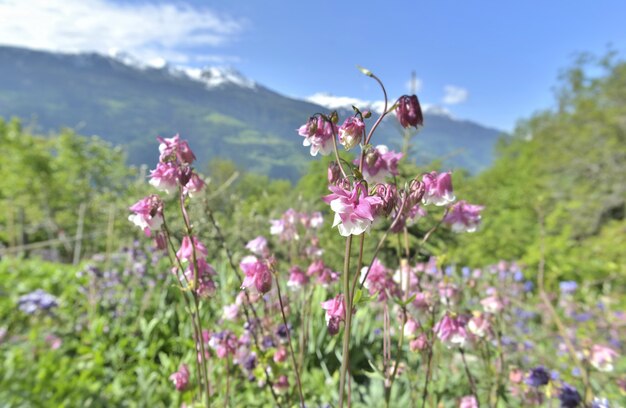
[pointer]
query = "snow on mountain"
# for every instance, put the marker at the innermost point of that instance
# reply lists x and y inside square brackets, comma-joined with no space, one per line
[214,76]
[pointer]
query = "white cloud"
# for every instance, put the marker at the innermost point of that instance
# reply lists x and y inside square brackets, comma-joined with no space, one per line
[454,95]
[335,102]
[145,30]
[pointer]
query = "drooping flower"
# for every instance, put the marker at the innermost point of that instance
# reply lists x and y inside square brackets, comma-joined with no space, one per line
[297,278]
[335,313]
[194,185]
[351,132]
[492,304]
[451,331]
[318,133]
[286,227]
[148,213]
[602,357]
[224,343]
[380,163]
[479,325]
[186,251]
[354,209]
[175,150]
[165,177]
[258,246]
[568,287]
[206,272]
[324,274]
[281,385]
[409,111]
[438,188]
[280,355]
[258,274]
[379,280]
[181,377]
[463,217]
[419,343]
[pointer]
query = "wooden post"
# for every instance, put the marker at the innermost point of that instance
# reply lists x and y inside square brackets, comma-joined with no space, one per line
[79,233]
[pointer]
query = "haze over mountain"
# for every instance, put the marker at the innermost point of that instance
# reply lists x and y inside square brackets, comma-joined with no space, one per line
[222,113]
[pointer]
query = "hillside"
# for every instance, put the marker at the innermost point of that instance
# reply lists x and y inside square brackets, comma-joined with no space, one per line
[221,112]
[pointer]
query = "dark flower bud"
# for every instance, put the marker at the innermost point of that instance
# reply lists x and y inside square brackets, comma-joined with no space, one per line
[334,172]
[409,111]
[333,325]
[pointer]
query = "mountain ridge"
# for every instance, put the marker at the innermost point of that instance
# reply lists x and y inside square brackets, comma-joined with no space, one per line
[222,113]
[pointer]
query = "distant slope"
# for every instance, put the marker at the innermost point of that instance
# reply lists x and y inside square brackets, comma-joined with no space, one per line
[219,111]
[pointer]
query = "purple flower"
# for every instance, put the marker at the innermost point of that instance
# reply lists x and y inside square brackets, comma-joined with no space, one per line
[335,313]
[538,376]
[409,111]
[463,217]
[569,397]
[37,300]
[568,287]
[175,150]
[354,209]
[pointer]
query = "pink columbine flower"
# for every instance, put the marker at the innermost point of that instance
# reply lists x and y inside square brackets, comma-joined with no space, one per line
[410,328]
[257,273]
[230,312]
[378,280]
[297,278]
[318,133]
[469,401]
[602,357]
[194,185]
[286,226]
[335,313]
[492,304]
[258,246]
[438,188]
[280,355]
[354,210]
[479,325]
[53,341]
[148,213]
[351,132]
[316,220]
[165,177]
[419,343]
[174,149]
[409,111]
[181,377]
[206,272]
[451,331]
[185,253]
[464,217]
[281,385]
[380,163]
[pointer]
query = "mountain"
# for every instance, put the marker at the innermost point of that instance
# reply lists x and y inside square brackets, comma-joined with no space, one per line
[219,111]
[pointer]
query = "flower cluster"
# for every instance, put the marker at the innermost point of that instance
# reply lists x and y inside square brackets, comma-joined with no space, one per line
[37,300]
[174,168]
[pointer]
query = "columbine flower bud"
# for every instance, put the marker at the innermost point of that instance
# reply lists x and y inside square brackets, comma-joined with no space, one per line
[334,172]
[409,111]
[351,132]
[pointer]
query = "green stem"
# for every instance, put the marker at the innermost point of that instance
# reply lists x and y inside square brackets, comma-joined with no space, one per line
[345,357]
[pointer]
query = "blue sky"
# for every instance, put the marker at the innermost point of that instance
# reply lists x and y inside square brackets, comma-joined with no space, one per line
[493,62]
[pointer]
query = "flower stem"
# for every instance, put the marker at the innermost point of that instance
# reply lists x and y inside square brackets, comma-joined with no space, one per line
[345,356]
[293,356]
